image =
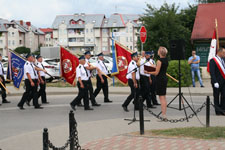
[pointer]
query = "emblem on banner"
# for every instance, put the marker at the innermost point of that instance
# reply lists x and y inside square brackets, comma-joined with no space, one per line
[67,65]
[122,63]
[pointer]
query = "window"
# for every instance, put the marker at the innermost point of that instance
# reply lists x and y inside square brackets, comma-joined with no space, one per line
[1,41]
[86,30]
[46,39]
[9,42]
[12,34]
[80,22]
[131,39]
[91,30]
[8,34]
[20,42]
[104,30]
[131,29]
[131,47]
[13,42]
[127,30]
[127,39]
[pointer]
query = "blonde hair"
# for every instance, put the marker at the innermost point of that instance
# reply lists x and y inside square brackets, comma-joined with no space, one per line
[163,51]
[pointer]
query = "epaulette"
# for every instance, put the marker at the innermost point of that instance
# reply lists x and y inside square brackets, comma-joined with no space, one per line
[27,63]
[80,66]
[132,63]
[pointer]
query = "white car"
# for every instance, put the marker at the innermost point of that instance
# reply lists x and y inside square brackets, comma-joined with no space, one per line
[107,60]
[52,68]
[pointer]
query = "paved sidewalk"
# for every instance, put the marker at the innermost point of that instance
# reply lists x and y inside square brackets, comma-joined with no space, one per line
[127,142]
[197,91]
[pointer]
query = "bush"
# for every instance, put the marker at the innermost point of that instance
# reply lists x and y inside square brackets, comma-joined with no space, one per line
[173,70]
[22,50]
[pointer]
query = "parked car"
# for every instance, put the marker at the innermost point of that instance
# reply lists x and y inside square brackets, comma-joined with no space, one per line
[52,67]
[107,60]
[5,68]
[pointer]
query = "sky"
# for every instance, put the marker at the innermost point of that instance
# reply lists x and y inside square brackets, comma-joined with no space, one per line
[42,13]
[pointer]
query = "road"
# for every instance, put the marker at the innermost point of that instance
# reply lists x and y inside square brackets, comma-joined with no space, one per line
[14,121]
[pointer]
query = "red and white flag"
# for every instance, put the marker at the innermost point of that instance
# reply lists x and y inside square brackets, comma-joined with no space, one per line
[213,49]
[68,62]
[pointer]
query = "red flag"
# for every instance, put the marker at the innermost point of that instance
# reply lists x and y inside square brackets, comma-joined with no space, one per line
[123,58]
[213,49]
[68,62]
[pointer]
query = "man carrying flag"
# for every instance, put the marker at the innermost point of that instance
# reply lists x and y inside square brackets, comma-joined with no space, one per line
[133,76]
[2,80]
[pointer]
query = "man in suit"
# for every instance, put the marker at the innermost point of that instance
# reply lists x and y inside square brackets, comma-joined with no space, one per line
[217,72]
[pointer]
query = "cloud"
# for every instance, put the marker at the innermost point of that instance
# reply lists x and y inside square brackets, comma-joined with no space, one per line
[42,13]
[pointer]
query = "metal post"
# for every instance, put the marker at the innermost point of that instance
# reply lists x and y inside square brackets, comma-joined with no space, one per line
[141,115]
[113,53]
[71,129]
[207,111]
[45,139]
[179,84]
[142,47]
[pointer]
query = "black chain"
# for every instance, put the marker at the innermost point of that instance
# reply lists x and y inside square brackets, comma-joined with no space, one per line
[175,120]
[74,136]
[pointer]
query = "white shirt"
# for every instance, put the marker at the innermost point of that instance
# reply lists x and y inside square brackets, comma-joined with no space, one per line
[86,65]
[1,68]
[132,65]
[40,65]
[29,68]
[152,61]
[81,72]
[101,65]
[142,69]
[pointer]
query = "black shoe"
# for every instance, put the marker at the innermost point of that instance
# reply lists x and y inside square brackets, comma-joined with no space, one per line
[80,105]
[21,107]
[107,101]
[96,104]
[45,102]
[202,86]
[73,107]
[156,104]
[218,113]
[28,103]
[38,107]
[152,106]
[89,108]
[125,109]
[5,101]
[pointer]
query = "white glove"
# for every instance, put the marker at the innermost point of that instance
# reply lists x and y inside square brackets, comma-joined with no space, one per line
[216,85]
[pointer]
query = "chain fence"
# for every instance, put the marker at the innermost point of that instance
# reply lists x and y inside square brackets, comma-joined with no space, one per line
[73,140]
[175,120]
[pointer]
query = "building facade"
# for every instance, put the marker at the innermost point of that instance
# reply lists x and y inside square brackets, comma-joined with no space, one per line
[19,33]
[48,37]
[82,32]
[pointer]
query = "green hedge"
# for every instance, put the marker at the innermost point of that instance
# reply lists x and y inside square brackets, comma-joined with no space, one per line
[185,71]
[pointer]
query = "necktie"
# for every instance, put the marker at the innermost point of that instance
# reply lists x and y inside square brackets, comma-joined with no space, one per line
[85,71]
[33,70]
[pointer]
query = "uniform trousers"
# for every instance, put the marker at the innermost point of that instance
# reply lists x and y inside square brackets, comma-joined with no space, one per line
[90,90]
[42,91]
[133,95]
[83,93]
[103,86]
[31,91]
[219,97]
[3,92]
[153,90]
[145,89]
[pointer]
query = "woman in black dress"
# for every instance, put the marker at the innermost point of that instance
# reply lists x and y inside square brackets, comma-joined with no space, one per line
[161,78]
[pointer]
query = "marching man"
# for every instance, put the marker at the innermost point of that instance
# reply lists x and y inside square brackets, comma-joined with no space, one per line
[102,84]
[82,83]
[133,77]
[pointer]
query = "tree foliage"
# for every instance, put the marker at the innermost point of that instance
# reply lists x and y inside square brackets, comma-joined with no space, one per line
[22,50]
[168,23]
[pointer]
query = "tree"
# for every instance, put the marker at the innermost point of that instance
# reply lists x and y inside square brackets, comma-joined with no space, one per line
[22,50]
[209,1]
[164,24]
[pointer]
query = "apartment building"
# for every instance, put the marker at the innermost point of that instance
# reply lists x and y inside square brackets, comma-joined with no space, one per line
[48,37]
[82,32]
[15,34]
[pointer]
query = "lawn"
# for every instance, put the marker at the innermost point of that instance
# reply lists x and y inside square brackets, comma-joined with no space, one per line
[192,132]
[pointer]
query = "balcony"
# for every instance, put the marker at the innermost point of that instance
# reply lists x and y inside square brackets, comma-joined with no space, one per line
[74,44]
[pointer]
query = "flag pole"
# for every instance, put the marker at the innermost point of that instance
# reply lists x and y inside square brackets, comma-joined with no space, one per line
[217,34]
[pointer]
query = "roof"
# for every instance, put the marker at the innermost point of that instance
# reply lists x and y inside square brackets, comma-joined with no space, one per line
[205,21]
[120,20]
[24,28]
[46,30]
[2,25]
[96,19]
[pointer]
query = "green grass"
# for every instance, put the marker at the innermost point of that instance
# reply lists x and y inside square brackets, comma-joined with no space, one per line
[193,132]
